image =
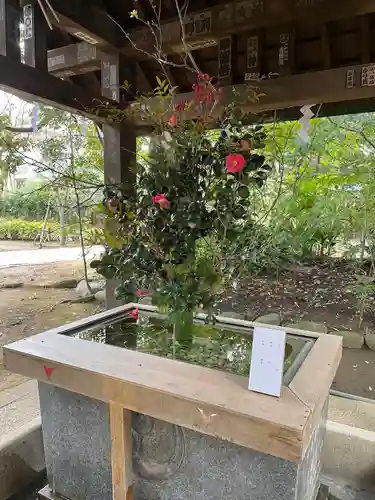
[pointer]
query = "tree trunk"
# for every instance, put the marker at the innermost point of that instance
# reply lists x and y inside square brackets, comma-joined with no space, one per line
[62,226]
[363,245]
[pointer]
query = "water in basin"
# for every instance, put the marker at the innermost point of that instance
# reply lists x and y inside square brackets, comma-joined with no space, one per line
[220,346]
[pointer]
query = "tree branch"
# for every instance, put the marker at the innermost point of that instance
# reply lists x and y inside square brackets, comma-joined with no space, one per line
[23,130]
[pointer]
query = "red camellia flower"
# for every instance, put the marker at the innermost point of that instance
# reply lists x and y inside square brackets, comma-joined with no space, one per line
[173,120]
[204,76]
[162,200]
[180,106]
[134,314]
[203,89]
[235,163]
[142,293]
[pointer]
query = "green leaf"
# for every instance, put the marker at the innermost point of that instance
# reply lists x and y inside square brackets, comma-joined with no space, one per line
[94,264]
[108,272]
[243,192]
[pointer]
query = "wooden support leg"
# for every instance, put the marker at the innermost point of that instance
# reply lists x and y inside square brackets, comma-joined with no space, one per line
[121,452]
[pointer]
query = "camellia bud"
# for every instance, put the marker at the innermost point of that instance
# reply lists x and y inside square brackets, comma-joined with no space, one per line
[113,204]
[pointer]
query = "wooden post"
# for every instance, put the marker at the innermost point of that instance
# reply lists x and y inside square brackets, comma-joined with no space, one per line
[121,452]
[35,36]
[9,29]
[119,169]
[119,145]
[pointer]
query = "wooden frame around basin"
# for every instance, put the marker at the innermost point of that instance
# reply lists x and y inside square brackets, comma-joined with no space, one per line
[202,399]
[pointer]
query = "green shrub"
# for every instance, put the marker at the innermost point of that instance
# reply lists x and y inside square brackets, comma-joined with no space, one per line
[30,202]
[18,229]
[28,230]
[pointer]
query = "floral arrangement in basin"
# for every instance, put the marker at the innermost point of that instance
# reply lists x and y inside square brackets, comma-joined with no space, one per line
[193,186]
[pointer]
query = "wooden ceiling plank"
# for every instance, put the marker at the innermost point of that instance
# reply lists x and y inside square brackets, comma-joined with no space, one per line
[238,16]
[326,46]
[143,82]
[208,25]
[364,28]
[167,72]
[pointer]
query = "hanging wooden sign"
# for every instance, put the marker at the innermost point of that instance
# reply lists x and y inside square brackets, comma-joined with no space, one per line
[225,57]
[350,78]
[368,76]
[252,59]
[286,52]
[198,24]
[110,78]
[28,22]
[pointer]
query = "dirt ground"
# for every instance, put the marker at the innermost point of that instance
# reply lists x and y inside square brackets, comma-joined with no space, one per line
[33,308]
[321,293]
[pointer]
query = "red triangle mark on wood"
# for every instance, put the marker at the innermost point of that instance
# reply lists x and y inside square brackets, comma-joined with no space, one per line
[48,370]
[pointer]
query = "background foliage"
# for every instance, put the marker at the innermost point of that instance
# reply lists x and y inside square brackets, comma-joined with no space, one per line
[317,202]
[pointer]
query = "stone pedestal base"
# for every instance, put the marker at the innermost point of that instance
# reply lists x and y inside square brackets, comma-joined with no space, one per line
[169,462]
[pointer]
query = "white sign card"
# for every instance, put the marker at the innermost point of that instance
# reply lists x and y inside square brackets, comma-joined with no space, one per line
[267,361]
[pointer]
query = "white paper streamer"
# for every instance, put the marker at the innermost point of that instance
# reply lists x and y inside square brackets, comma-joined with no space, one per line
[35,118]
[84,128]
[307,114]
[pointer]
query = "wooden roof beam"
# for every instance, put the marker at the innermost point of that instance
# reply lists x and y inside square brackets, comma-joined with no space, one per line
[74,59]
[317,87]
[88,23]
[33,84]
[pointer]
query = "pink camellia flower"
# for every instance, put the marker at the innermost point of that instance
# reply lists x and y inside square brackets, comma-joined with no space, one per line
[173,120]
[134,314]
[235,163]
[142,293]
[162,200]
